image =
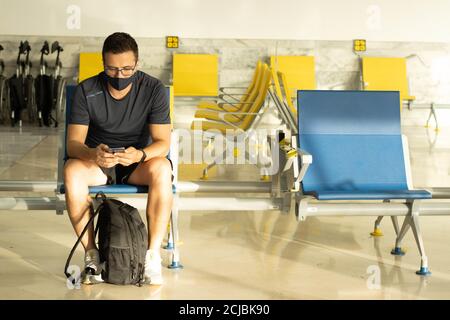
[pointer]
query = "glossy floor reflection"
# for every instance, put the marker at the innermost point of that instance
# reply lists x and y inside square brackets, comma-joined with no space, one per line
[233,255]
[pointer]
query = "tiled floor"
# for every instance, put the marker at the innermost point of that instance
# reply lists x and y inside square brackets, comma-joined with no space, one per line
[233,255]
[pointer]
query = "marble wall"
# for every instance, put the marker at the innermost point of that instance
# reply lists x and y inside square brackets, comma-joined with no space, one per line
[337,66]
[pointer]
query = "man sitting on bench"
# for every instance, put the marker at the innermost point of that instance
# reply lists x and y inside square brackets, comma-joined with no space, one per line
[120,107]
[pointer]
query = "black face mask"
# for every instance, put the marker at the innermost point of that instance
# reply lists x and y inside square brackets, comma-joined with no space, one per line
[119,83]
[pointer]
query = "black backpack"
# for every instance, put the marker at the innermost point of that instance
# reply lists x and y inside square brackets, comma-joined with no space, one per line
[122,242]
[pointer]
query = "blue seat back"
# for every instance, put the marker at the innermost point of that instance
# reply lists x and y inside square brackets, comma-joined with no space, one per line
[354,138]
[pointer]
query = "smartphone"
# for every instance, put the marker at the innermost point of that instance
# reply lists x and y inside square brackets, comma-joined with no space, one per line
[116,150]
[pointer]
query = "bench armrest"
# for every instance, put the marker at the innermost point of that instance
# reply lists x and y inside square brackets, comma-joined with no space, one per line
[305,160]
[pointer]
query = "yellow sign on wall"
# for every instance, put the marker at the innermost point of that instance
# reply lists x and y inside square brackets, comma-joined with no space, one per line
[359,45]
[172,42]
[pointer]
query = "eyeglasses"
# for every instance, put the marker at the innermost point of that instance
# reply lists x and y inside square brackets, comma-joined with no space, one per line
[126,71]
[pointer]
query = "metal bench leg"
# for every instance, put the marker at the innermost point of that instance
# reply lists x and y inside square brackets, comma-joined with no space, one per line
[412,220]
[395,223]
[169,245]
[397,251]
[174,226]
[423,271]
[376,229]
[427,124]
[214,163]
[432,114]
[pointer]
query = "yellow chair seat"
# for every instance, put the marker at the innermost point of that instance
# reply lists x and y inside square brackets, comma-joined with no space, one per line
[206,103]
[214,106]
[211,125]
[213,115]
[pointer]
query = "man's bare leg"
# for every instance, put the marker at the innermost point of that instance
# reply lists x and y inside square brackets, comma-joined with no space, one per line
[78,176]
[157,174]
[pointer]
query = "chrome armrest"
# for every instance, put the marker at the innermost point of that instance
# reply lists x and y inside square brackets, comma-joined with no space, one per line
[305,160]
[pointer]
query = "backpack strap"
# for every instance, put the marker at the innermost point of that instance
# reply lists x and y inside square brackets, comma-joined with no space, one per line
[93,215]
[101,194]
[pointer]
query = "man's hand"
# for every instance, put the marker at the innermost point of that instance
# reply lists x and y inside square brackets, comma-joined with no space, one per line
[130,156]
[103,158]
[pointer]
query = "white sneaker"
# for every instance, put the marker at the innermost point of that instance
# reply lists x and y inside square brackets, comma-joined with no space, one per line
[153,273]
[92,268]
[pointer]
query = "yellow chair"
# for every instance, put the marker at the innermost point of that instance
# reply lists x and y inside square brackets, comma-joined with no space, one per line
[253,84]
[299,71]
[195,75]
[242,119]
[286,92]
[232,129]
[281,100]
[380,73]
[238,103]
[91,64]
[237,109]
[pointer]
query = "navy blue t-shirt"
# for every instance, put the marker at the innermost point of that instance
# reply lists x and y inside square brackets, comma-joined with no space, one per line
[124,122]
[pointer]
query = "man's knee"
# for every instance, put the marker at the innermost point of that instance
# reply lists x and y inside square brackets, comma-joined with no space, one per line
[73,168]
[159,168]
[81,172]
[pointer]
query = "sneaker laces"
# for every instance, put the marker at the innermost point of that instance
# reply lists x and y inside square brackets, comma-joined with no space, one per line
[92,261]
[152,260]
[153,268]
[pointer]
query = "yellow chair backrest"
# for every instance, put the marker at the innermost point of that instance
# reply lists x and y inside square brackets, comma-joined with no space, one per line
[276,84]
[247,101]
[195,74]
[380,73]
[299,70]
[91,64]
[259,101]
[256,90]
[250,93]
[256,76]
[286,92]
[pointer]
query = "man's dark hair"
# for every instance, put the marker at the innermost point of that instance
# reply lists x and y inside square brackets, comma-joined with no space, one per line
[120,42]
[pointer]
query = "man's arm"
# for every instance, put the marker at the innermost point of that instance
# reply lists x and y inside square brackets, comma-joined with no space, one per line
[76,148]
[160,146]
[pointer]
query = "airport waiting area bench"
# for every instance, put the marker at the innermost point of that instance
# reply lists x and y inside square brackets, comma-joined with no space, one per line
[354,159]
